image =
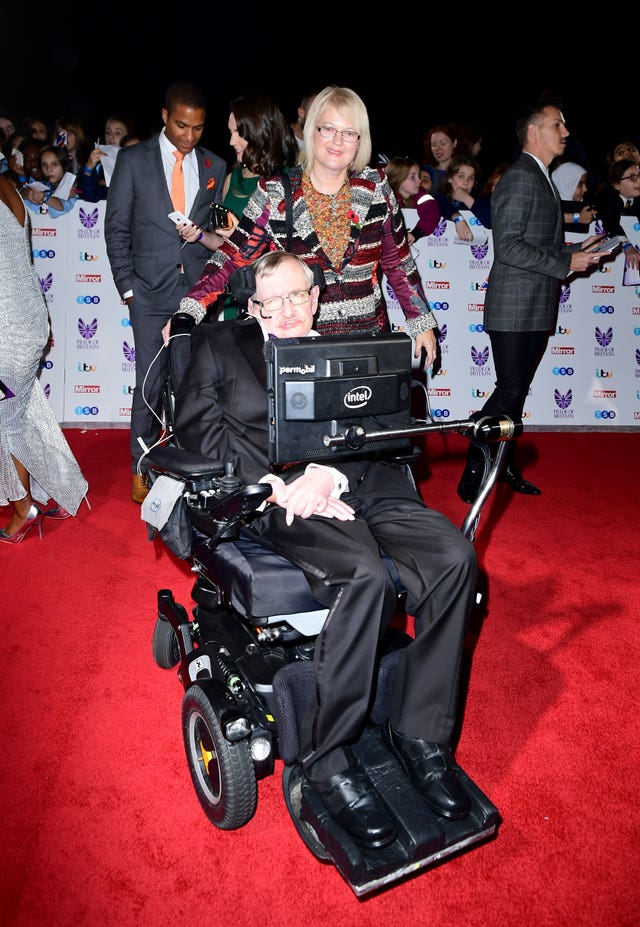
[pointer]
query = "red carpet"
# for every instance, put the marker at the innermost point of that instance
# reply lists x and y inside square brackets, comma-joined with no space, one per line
[100,823]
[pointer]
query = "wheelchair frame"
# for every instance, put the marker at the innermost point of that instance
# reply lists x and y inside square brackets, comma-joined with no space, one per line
[236,669]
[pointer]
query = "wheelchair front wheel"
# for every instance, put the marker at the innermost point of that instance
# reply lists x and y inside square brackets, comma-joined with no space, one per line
[166,651]
[223,774]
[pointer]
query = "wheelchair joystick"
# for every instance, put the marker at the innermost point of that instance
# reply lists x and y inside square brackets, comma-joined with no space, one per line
[229,482]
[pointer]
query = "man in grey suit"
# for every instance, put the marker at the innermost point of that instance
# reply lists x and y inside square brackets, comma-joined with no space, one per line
[155,263]
[530,262]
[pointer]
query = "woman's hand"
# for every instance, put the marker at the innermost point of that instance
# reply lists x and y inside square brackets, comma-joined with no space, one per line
[426,341]
[189,232]
[228,230]
[166,333]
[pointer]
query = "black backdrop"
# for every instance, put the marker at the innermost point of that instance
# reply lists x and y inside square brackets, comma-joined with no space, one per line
[411,69]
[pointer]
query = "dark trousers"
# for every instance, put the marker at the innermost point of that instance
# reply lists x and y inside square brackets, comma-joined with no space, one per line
[437,567]
[152,368]
[516,357]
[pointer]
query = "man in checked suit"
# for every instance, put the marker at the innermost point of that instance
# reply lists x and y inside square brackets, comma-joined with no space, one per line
[154,263]
[523,290]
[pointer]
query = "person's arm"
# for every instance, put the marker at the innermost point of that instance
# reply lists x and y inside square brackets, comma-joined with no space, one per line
[118,223]
[248,241]
[58,207]
[481,208]
[400,269]
[89,187]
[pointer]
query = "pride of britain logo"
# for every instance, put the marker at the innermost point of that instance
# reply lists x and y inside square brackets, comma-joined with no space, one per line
[89,220]
[480,251]
[88,331]
[563,402]
[46,283]
[88,217]
[129,351]
[480,356]
[604,337]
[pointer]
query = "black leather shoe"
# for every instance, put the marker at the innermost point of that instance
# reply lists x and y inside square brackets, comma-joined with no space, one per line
[512,478]
[354,805]
[470,482]
[430,769]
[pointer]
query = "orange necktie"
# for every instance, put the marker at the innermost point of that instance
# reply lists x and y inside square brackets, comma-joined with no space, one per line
[177,183]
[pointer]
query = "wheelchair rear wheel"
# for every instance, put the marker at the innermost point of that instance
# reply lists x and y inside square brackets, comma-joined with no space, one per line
[166,651]
[223,774]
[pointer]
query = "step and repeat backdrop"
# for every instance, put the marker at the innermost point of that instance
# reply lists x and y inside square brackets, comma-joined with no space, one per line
[589,377]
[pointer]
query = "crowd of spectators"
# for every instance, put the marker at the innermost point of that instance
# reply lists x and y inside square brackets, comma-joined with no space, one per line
[449,151]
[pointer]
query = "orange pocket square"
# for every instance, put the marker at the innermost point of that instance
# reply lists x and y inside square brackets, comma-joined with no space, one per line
[211,182]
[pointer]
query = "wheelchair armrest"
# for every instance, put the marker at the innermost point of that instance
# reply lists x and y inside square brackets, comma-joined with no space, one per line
[183,465]
[219,514]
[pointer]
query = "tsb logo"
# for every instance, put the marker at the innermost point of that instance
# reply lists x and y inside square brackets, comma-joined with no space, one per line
[43,253]
[87,410]
[88,300]
[476,328]
[603,310]
[605,413]
[562,371]
[440,413]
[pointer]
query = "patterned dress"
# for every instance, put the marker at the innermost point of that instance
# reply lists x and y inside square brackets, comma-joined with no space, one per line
[364,239]
[29,430]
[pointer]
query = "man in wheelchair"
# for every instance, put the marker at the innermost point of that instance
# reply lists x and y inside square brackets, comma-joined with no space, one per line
[333,523]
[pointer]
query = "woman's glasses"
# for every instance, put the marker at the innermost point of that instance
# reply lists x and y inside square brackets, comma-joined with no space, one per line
[349,136]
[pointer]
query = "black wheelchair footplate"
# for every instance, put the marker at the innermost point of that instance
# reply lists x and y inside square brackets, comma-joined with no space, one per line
[424,838]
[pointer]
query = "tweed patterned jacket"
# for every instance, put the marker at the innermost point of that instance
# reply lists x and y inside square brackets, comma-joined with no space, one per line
[530,257]
[352,301]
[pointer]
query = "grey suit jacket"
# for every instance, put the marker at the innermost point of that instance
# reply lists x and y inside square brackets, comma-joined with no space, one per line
[142,244]
[530,257]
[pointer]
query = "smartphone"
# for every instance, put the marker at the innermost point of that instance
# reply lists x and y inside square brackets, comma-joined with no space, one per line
[178,217]
[602,247]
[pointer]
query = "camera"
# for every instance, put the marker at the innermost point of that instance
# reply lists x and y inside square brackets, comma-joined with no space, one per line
[219,216]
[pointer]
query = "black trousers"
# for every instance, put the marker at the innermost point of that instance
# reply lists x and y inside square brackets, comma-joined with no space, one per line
[152,368]
[437,566]
[516,357]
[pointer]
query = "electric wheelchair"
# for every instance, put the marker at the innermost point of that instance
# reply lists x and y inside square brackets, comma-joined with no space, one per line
[245,654]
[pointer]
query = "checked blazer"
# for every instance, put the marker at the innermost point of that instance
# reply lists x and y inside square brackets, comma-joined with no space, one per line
[530,257]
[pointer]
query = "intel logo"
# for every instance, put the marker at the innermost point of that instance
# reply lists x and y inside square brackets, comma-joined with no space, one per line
[357,397]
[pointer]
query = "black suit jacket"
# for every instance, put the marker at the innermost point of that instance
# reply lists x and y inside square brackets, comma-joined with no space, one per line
[221,404]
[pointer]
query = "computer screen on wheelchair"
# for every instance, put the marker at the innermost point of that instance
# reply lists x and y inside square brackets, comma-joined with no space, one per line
[337,385]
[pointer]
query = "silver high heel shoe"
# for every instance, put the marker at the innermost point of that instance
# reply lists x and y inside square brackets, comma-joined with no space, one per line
[34,517]
[56,513]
